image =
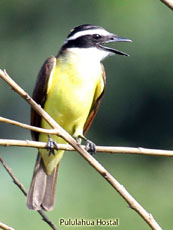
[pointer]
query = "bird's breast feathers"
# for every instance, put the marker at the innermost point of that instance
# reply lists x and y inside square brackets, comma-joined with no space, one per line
[71,91]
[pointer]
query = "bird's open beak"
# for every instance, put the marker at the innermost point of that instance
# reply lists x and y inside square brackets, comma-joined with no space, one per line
[114,38]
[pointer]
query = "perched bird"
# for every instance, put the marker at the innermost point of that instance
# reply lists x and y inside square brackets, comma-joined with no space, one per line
[69,87]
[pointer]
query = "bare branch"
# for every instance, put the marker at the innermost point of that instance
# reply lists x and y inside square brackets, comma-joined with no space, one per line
[95,164]
[5,227]
[168,3]
[66,147]
[15,180]
[30,127]
[21,187]
[102,149]
[32,144]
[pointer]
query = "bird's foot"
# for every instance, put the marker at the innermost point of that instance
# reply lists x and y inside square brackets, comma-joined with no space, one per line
[51,144]
[89,147]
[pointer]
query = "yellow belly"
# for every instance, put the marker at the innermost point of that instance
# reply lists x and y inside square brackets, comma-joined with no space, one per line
[69,99]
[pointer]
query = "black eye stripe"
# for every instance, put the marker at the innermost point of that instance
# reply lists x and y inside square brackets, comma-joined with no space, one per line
[97,36]
[85,41]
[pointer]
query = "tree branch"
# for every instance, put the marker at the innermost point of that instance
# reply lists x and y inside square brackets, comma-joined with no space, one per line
[95,164]
[66,147]
[102,149]
[30,127]
[21,187]
[168,3]
[5,227]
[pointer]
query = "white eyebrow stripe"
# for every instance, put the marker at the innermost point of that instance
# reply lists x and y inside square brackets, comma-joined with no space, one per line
[88,32]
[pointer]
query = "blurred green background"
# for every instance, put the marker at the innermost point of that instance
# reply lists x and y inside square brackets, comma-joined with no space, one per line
[136,111]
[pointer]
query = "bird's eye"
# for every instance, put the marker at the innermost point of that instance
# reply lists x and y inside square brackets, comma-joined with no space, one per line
[96,36]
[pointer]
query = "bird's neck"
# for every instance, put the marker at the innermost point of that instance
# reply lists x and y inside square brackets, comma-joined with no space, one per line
[87,55]
[84,62]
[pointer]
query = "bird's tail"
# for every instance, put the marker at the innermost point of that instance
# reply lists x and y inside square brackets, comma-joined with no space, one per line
[41,194]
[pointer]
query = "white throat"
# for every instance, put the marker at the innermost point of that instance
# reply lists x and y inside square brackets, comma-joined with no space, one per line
[91,55]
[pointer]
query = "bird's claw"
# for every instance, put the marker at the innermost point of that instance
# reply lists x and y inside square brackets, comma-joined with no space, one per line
[90,147]
[51,144]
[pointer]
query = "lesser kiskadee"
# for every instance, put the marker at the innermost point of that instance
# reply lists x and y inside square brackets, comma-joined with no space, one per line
[69,87]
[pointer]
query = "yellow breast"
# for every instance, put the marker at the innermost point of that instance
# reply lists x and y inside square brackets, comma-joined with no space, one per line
[70,94]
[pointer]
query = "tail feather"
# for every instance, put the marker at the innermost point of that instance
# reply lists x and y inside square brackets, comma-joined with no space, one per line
[49,195]
[41,194]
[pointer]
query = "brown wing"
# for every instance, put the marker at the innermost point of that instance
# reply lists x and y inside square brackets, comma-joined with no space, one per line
[40,91]
[95,106]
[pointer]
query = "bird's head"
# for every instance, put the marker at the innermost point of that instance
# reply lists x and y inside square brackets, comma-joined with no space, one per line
[90,39]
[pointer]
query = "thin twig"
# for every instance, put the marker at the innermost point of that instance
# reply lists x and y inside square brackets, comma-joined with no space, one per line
[168,3]
[101,149]
[15,180]
[105,149]
[21,187]
[95,164]
[5,227]
[30,127]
